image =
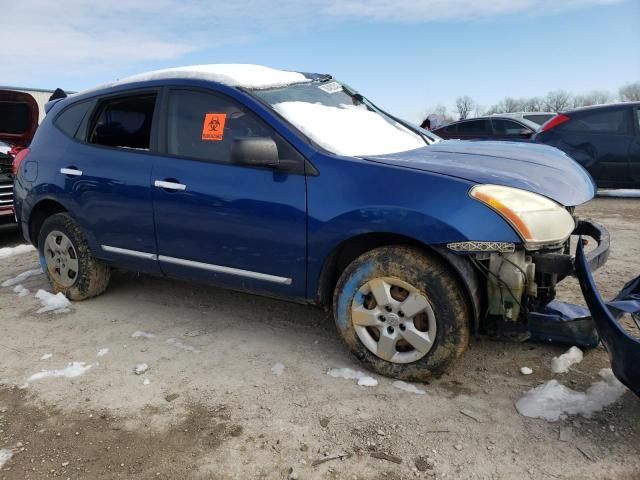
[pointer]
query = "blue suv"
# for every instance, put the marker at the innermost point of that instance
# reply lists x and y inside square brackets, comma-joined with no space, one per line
[293,185]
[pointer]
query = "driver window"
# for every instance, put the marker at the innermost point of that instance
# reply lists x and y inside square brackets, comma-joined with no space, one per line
[203,125]
[508,128]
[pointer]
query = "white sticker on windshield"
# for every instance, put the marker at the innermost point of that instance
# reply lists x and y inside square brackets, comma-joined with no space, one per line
[331,87]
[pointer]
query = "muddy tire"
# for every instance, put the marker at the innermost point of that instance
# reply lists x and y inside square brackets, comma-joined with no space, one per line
[402,312]
[67,260]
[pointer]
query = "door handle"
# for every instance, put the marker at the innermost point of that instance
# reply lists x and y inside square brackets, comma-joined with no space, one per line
[73,171]
[167,185]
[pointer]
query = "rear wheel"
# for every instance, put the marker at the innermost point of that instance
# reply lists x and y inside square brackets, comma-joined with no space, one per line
[70,267]
[402,312]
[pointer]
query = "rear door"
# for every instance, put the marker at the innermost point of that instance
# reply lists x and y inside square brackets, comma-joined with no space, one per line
[600,139]
[474,130]
[234,225]
[105,174]
[634,149]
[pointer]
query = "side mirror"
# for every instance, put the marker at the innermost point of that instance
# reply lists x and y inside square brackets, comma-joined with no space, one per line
[255,151]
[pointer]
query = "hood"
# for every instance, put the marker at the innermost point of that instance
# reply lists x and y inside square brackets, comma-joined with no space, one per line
[18,117]
[537,168]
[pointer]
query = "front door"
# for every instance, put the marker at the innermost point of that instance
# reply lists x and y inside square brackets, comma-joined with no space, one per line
[228,224]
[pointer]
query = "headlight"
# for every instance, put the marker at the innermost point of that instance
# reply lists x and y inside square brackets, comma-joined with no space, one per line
[538,220]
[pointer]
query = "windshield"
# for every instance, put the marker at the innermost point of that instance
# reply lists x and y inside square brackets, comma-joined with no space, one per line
[340,120]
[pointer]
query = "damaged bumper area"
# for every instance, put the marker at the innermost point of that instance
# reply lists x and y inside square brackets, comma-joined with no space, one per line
[623,349]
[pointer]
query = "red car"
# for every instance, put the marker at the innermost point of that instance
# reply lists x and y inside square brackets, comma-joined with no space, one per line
[18,123]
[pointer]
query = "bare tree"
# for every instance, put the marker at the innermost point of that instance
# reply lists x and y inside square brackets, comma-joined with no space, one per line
[596,97]
[558,101]
[464,105]
[630,92]
[534,104]
[511,105]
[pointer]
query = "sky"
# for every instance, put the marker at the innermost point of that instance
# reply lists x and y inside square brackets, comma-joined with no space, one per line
[406,56]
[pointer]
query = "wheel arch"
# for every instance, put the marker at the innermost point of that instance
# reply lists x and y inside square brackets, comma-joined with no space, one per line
[39,213]
[350,249]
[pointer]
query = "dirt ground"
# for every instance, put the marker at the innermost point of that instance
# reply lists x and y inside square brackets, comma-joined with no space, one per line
[212,409]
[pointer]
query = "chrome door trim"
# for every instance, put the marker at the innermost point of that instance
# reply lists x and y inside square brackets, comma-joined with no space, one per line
[228,270]
[132,253]
[169,185]
[71,171]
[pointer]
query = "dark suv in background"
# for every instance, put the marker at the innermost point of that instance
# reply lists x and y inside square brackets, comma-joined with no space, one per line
[603,139]
[18,123]
[489,128]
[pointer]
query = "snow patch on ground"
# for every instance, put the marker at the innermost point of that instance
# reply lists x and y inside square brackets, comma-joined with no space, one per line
[363,379]
[553,401]
[277,369]
[18,250]
[21,291]
[348,131]
[23,276]
[46,356]
[5,456]
[102,352]
[57,303]
[408,387]
[561,364]
[182,346]
[622,192]
[141,334]
[234,75]
[526,371]
[146,381]
[141,368]
[72,370]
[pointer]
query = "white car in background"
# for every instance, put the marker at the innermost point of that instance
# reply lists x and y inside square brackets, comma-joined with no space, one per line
[535,117]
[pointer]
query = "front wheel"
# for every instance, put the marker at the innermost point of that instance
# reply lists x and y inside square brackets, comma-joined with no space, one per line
[70,267]
[402,312]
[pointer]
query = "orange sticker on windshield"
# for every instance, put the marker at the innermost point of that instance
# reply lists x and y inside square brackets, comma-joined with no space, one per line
[213,126]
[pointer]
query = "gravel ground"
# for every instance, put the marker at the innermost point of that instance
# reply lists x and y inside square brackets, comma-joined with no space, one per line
[211,408]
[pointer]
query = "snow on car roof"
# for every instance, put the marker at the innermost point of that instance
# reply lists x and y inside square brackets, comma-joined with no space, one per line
[233,75]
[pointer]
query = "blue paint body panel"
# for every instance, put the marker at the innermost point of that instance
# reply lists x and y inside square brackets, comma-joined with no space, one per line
[273,222]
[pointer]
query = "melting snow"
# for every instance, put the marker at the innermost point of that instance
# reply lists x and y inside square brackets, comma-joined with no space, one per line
[277,369]
[553,401]
[182,346]
[139,333]
[23,276]
[234,75]
[21,291]
[5,456]
[526,371]
[140,368]
[11,251]
[102,352]
[72,370]
[146,381]
[57,303]
[46,356]
[561,364]
[348,131]
[363,379]
[408,387]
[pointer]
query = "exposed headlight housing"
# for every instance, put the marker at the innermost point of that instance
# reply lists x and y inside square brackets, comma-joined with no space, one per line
[540,222]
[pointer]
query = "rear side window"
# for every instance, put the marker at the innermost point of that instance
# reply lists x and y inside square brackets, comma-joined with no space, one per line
[539,119]
[124,122]
[15,117]
[70,118]
[507,128]
[477,127]
[610,121]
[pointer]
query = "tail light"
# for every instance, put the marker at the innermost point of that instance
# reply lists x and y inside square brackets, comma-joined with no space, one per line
[17,160]
[554,122]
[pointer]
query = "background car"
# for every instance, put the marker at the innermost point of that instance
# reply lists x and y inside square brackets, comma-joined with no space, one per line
[604,139]
[18,123]
[536,117]
[489,128]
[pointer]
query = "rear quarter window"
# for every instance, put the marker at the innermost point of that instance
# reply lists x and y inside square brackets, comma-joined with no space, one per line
[609,121]
[70,118]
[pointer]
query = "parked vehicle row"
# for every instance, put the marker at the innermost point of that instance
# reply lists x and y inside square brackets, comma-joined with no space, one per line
[296,186]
